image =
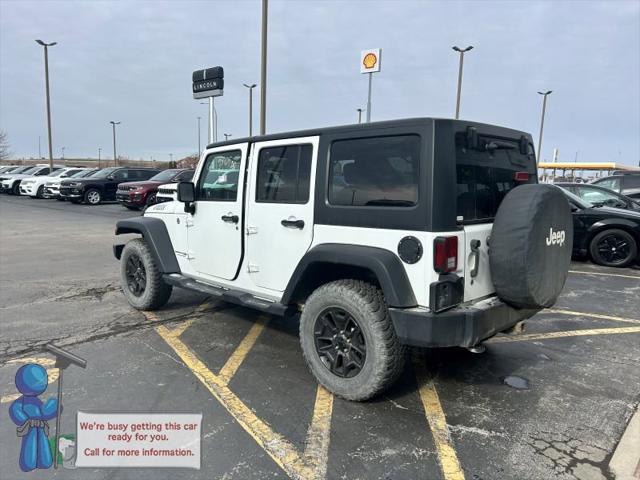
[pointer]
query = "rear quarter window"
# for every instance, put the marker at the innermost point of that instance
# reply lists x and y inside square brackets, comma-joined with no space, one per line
[375,171]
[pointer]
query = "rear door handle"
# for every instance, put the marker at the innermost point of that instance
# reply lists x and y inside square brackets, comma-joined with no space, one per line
[475,253]
[299,224]
[230,218]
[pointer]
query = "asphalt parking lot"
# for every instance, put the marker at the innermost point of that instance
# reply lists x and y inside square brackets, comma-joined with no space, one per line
[551,403]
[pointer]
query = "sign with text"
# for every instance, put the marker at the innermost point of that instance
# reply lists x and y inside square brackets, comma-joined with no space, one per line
[370,60]
[208,82]
[138,440]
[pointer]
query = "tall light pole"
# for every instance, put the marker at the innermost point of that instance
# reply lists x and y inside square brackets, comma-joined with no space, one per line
[199,144]
[544,109]
[263,71]
[99,155]
[359,115]
[39,150]
[213,121]
[46,76]
[115,157]
[461,51]
[63,156]
[250,87]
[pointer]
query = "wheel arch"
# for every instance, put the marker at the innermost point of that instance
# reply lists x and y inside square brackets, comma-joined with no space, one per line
[155,234]
[328,262]
[629,226]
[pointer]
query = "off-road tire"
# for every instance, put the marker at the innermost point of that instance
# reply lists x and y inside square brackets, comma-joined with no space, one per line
[90,194]
[385,356]
[620,235]
[156,292]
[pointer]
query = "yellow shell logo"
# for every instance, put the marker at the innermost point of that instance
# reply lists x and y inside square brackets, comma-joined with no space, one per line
[369,60]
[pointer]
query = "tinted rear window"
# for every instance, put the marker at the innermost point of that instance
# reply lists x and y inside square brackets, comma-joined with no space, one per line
[485,174]
[375,172]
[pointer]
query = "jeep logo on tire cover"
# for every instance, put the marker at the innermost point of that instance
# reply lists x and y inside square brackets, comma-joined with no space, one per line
[555,238]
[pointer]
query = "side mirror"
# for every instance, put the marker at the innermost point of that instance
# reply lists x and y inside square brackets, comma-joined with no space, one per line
[186,192]
[187,195]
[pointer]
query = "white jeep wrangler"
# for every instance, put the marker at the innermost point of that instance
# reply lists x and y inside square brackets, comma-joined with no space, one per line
[421,232]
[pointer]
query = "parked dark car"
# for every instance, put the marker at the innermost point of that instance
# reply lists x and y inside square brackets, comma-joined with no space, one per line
[609,236]
[135,195]
[102,186]
[601,196]
[626,183]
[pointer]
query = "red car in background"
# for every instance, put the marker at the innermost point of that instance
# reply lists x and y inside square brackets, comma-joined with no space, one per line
[136,195]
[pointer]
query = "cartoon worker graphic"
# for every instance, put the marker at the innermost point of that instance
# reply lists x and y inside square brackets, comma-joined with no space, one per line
[31,416]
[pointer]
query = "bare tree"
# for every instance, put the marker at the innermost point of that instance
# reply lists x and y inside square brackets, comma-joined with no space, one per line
[4,146]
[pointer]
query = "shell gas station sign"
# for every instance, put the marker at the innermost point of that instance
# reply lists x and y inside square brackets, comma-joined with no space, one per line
[370,60]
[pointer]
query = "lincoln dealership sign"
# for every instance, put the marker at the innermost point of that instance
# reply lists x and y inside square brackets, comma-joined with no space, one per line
[208,82]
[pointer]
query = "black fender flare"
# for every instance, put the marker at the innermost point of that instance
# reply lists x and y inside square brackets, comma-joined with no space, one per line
[385,265]
[155,234]
[621,223]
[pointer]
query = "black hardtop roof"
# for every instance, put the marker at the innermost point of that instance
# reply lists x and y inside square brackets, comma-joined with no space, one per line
[361,127]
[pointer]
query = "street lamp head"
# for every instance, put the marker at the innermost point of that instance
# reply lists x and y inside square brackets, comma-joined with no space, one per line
[462,50]
[253,85]
[545,93]
[46,44]
[115,123]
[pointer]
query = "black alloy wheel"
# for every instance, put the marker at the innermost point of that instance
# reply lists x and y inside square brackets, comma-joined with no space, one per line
[136,275]
[613,248]
[339,342]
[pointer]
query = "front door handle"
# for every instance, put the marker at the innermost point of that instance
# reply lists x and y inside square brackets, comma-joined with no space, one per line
[230,218]
[299,224]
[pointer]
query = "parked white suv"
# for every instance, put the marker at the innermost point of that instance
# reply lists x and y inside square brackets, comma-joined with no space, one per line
[11,183]
[422,232]
[34,186]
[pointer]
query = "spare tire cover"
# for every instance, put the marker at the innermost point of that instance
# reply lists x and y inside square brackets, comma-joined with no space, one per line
[530,246]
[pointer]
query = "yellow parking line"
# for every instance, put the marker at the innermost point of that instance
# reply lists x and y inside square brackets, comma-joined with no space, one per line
[277,447]
[180,329]
[52,373]
[594,315]
[235,360]
[637,277]
[451,469]
[316,452]
[569,333]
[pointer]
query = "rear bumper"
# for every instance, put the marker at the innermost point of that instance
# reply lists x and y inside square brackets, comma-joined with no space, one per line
[458,327]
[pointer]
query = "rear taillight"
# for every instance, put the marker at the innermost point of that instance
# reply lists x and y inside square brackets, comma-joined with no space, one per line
[521,176]
[445,254]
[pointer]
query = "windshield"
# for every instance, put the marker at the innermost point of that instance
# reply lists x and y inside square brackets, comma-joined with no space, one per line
[164,176]
[28,170]
[576,199]
[81,173]
[23,169]
[57,173]
[104,173]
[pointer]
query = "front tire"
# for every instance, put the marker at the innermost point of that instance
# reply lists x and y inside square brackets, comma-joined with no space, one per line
[93,196]
[15,189]
[141,278]
[348,340]
[40,191]
[613,248]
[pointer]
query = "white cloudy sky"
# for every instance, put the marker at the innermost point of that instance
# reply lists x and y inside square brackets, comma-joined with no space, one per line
[132,61]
